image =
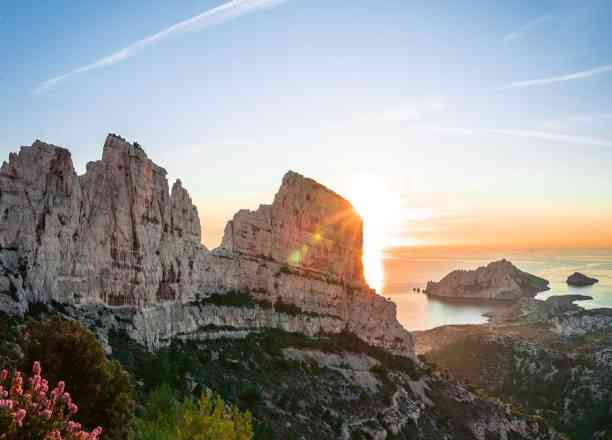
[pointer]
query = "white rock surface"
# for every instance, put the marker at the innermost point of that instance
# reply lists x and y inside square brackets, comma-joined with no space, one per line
[117,237]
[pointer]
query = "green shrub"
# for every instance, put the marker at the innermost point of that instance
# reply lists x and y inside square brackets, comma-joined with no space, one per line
[231,299]
[71,353]
[208,418]
[286,308]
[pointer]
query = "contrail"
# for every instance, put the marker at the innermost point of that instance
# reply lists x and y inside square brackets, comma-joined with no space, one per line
[220,14]
[523,29]
[532,134]
[555,79]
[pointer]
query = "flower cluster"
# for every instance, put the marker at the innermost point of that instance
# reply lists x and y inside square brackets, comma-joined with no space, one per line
[35,412]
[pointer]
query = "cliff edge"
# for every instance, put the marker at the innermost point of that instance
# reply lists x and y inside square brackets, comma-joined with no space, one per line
[118,243]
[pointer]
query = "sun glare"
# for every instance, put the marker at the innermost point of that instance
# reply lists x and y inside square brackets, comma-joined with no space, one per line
[380,208]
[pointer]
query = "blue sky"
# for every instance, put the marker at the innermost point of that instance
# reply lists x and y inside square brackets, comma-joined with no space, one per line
[471,111]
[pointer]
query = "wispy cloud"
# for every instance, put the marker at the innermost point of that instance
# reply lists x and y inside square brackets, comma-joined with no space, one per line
[588,119]
[532,134]
[225,12]
[556,79]
[412,110]
[527,27]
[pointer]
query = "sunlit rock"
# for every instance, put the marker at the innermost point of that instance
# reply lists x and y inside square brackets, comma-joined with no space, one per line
[117,237]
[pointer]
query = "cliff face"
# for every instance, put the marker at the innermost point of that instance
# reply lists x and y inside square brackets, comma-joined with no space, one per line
[307,227]
[498,280]
[112,236]
[306,249]
[117,237]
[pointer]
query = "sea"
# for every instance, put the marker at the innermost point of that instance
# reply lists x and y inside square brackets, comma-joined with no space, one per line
[408,269]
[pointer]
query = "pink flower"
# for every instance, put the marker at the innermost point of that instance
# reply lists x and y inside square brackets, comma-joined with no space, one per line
[19,416]
[6,403]
[16,388]
[95,434]
[73,426]
[17,403]
[35,381]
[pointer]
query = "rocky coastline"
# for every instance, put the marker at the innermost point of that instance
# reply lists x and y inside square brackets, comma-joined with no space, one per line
[550,356]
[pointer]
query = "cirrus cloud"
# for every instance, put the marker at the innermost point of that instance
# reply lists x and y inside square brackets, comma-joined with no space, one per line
[214,16]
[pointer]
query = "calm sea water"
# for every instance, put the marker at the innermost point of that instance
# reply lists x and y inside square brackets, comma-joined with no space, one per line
[408,269]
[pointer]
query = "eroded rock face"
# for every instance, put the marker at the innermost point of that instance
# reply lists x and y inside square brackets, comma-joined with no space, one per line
[498,280]
[112,236]
[117,237]
[307,226]
[306,249]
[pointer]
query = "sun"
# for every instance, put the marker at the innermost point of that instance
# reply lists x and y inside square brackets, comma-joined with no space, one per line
[380,208]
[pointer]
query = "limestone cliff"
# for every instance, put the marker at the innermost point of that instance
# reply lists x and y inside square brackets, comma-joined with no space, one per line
[112,236]
[116,237]
[307,227]
[498,280]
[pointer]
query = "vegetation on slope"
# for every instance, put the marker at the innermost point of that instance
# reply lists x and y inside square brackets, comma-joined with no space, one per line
[559,382]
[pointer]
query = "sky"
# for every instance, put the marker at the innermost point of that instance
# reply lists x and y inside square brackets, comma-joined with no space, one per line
[447,123]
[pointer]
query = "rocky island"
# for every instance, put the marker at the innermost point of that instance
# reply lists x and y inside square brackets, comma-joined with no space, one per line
[499,280]
[580,280]
[278,320]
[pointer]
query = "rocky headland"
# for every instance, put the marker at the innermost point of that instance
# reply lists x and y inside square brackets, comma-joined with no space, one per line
[279,319]
[499,280]
[578,279]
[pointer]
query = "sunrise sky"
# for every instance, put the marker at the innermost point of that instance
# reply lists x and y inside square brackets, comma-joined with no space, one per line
[446,123]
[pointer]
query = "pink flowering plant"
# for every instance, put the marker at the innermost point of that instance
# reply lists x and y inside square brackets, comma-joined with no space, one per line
[29,409]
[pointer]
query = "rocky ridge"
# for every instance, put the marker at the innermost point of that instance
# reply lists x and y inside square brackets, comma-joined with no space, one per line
[499,280]
[117,240]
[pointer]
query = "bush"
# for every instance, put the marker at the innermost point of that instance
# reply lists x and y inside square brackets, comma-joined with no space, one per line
[34,413]
[209,418]
[72,353]
[286,308]
[231,299]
